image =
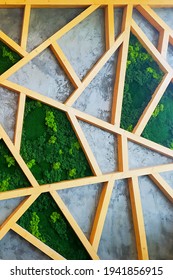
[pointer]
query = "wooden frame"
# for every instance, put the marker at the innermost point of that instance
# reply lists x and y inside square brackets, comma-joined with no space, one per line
[112,44]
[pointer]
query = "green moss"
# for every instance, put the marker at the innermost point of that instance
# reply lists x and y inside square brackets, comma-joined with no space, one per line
[49,139]
[7,57]
[45,221]
[142,77]
[11,176]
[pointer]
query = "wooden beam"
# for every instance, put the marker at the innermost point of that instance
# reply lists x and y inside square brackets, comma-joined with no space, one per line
[156,97]
[84,144]
[101,213]
[25,26]
[109,26]
[163,43]
[121,68]
[65,64]
[123,164]
[162,185]
[74,225]
[36,242]
[95,70]
[19,120]
[138,220]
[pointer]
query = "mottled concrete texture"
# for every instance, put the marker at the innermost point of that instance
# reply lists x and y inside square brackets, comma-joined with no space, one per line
[83,46]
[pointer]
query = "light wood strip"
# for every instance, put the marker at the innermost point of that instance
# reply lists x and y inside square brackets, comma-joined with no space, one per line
[162,185]
[16,214]
[156,97]
[121,68]
[100,215]
[109,26]
[19,120]
[163,43]
[84,144]
[138,219]
[25,26]
[13,45]
[18,158]
[123,163]
[65,64]
[74,225]
[95,70]
[37,243]
[19,193]
[164,66]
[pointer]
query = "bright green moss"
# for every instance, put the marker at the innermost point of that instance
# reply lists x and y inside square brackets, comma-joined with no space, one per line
[7,57]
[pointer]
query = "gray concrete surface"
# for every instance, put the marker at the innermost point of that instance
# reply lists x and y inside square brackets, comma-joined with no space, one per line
[83,46]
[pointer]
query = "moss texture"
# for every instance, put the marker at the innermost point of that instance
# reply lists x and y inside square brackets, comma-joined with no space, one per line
[7,57]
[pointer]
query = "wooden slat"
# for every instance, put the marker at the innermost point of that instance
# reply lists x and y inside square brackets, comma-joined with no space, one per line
[65,64]
[74,225]
[95,70]
[156,97]
[16,214]
[138,219]
[84,144]
[109,26]
[18,158]
[121,68]
[25,26]
[162,185]
[19,121]
[100,215]
[164,66]
[123,164]
[13,45]
[18,193]
[37,243]
[163,43]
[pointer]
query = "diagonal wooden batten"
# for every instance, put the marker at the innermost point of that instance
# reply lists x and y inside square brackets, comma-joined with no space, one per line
[123,164]
[47,43]
[109,26]
[13,45]
[164,66]
[19,120]
[138,220]
[19,193]
[95,70]
[121,68]
[156,97]
[162,185]
[65,64]
[153,18]
[163,43]
[36,242]
[16,214]
[84,143]
[74,225]
[25,26]
[101,213]
[18,158]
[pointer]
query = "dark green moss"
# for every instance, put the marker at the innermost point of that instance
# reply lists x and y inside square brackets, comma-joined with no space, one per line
[142,77]
[11,176]
[50,146]
[160,127]
[7,57]
[45,220]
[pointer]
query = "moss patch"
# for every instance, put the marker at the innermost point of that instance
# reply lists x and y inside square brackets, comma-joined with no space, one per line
[11,176]
[7,57]
[45,221]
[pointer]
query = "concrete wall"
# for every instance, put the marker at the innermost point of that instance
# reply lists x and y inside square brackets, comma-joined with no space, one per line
[83,45]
